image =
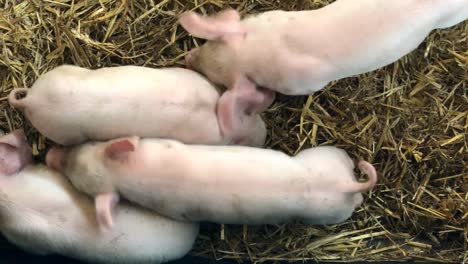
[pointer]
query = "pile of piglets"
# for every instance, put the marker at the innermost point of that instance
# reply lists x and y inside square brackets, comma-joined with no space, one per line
[143,155]
[42,213]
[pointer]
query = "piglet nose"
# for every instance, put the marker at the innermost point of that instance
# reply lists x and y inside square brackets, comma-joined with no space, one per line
[55,157]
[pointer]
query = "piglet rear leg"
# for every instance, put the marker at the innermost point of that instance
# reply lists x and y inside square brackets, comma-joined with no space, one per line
[238,106]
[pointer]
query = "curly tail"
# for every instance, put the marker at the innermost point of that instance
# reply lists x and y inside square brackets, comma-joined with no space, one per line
[17,97]
[371,172]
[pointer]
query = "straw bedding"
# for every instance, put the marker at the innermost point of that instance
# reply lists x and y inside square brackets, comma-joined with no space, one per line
[410,119]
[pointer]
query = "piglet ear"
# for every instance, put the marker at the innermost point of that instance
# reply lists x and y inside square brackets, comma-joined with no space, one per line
[15,153]
[222,26]
[121,148]
[105,203]
[237,107]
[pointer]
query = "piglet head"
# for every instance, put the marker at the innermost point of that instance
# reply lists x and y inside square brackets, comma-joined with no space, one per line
[91,168]
[96,159]
[218,56]
[15,153]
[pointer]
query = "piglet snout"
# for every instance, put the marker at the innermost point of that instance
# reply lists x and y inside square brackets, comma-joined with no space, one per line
[55,158]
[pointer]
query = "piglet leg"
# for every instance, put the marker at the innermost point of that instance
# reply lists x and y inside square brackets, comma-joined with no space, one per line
[104,203]
[237,107]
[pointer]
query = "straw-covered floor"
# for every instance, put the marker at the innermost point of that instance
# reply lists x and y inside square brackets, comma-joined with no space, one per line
[410,119]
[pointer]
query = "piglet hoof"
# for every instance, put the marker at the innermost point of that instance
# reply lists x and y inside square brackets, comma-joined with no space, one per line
[17,96]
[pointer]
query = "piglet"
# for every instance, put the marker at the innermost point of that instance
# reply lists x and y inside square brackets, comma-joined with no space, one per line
[222,184]
[42,213]
[71,105]
[298,53]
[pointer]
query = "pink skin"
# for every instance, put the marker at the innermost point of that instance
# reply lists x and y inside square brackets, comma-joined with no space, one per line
[71,105]
[222,184]
[15,152]
[42,213]
[298,53]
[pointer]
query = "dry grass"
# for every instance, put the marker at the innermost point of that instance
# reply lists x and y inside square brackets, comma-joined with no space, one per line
[410,119]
